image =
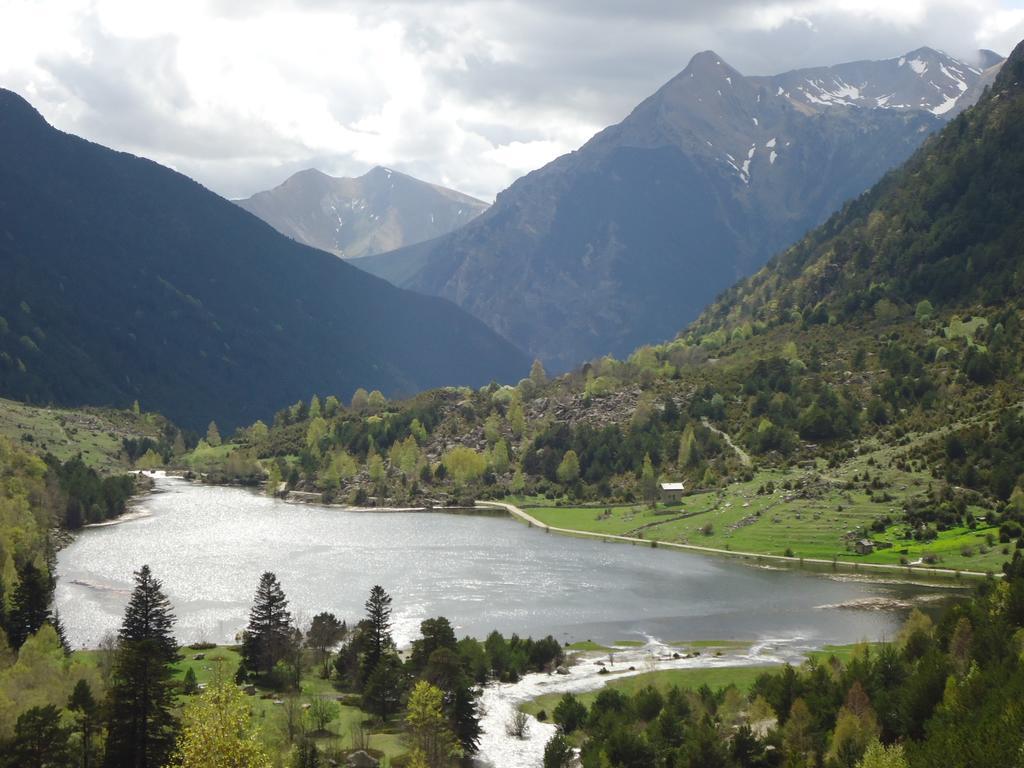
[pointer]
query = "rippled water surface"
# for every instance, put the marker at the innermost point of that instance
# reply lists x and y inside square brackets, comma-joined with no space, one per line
[210,545]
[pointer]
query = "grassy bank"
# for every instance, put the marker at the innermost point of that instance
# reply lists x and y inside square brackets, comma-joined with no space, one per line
[713,677]
[812,512]
[721,677]
[95,433]
[269,708]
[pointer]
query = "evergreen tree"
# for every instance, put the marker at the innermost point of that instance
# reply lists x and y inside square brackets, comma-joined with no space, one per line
[141,727]
[557,752]
[190,686]
[306,755]
[378,641]
[40,741]
[383,690]
[87,711]
[446,671]
[268,637]
[30,606]
[58,627]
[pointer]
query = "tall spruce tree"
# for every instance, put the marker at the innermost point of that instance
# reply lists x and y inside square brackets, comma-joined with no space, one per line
[86,711]
[269,636]
[31,604]
[379,641]
[141,726]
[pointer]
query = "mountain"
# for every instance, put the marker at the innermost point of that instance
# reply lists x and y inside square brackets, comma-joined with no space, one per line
[124,280]
[945,228]
[623,241]
[924,79]
[379,211]
[865,384]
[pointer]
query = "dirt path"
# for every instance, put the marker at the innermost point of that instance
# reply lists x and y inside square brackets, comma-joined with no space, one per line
[743,455]
[759,558]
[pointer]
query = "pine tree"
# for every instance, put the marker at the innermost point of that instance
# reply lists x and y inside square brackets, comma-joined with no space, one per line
[141,726]
[383,690]
[267,638]
[86,709]
[58,627]
[40,741]
[557,752]
[379,641]
[30,606]
[189,685]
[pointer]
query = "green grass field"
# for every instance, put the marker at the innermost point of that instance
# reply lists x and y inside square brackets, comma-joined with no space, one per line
[96,434]
[715,678]
[813,513]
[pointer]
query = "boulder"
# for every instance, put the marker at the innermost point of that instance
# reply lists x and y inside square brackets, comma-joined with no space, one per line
[361,760]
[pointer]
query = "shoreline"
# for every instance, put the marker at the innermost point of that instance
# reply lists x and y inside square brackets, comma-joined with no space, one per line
[870,572]
[756,559]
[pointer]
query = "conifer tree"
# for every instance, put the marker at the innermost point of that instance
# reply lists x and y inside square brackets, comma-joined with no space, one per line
[189,685]
[141,726]
[268,637]
[30,606]
[382,692]
[58,627]
[40,741]
[379,641]
[86,710]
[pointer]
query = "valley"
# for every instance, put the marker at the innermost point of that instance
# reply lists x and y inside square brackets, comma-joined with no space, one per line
[280,486]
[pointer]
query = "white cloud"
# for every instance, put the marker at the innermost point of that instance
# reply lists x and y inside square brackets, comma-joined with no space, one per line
[469,93]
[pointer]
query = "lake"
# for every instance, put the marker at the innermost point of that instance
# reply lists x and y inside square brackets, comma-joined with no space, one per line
[209,546]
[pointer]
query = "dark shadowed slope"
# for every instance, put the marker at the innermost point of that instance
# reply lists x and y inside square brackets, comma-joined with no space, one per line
[123,279]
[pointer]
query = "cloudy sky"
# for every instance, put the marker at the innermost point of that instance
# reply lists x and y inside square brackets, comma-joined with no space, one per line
[239,94]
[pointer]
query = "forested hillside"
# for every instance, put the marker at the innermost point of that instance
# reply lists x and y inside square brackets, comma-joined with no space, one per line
[854,373]
[945,228]
[124,280]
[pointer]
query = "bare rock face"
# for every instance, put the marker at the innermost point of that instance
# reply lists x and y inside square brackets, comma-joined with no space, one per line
[625,240]
[379,211]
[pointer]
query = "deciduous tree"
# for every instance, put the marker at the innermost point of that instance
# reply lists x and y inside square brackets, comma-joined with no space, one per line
[217,731]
